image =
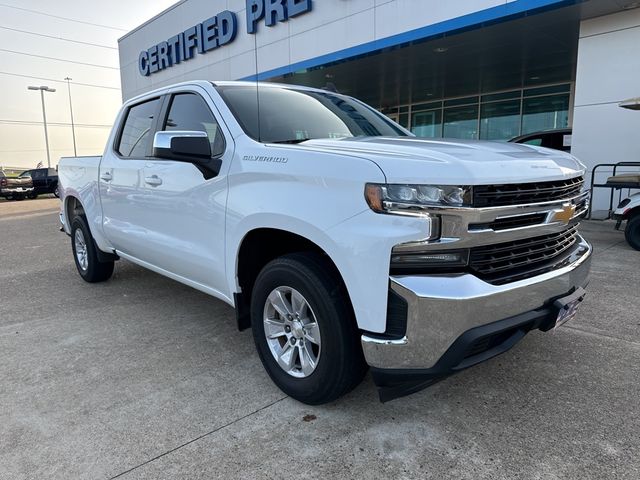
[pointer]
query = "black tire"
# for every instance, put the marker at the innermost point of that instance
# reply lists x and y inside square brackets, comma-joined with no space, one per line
[340,365]
[95,270]
[33,196]
[632,231]
[56,192]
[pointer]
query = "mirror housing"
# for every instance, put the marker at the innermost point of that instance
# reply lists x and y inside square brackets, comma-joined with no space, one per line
[187,146]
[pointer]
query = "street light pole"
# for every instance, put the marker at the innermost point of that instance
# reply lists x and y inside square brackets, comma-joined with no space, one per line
[73,128]
[44,117]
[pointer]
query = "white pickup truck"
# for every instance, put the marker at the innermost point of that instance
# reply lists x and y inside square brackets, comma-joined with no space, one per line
[341,239]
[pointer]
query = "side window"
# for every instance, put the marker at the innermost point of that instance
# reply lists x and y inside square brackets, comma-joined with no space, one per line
[136,133]
[52,172]
[38,174]
[189,112]
[534,141]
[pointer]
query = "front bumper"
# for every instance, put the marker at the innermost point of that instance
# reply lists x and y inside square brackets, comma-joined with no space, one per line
[442,308]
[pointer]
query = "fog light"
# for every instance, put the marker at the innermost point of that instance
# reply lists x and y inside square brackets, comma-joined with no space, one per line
[426,262]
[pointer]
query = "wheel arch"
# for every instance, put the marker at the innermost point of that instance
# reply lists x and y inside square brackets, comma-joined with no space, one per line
[72,208]
[632,212]
[258,247]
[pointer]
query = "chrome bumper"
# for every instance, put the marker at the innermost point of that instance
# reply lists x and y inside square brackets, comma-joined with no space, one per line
[443,307]
[13,190]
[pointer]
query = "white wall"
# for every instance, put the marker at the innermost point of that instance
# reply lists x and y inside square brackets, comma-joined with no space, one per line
[333,25]
[608,72]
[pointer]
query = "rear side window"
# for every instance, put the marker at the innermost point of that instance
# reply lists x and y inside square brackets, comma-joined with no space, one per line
[534,141]
[136,132]
[189,112]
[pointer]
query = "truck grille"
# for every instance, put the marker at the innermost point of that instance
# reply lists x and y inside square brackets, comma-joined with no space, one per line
[523,193]
[511,261]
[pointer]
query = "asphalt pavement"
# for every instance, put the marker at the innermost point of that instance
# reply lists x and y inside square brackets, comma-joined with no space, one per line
[144,378]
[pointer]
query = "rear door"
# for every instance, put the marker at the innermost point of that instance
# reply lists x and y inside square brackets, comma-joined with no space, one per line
[184,215]
[121,178]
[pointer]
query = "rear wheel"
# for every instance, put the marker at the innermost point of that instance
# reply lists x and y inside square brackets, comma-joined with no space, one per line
[56,192]
[85,254]
[632,231]
[304,329]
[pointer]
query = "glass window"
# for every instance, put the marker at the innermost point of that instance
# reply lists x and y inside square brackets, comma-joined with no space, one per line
[136,134]
[545,113]
[461,122]
[189,112]
[461,101]
[494,97]
[426,106]
[532,92]
[537,141]
[292,116]
[427,124]
[500,120]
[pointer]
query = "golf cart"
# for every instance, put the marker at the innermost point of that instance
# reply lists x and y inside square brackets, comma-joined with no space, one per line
[628,209]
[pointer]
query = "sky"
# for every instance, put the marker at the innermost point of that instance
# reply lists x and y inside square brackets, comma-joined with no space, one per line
[95,88]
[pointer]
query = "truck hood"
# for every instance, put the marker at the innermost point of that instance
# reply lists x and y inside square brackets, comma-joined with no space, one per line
[455,162]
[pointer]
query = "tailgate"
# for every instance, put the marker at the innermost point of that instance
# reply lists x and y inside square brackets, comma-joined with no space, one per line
[25,182]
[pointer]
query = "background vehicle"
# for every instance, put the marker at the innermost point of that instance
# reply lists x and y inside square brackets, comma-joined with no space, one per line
[45,180]
[15,188]
[310,213]
[559,139]
[629,210]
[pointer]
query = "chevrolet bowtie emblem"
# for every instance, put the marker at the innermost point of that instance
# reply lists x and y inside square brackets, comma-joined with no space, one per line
[565,215]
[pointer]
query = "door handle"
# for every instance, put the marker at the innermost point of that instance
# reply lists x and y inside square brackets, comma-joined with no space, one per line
[106,176]
[153,180]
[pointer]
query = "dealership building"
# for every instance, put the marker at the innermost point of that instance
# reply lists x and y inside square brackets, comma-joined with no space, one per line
[473,69]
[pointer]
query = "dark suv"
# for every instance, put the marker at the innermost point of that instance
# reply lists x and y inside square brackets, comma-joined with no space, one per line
[45,180]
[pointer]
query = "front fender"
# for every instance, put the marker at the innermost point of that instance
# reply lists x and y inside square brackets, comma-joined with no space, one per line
[360,248]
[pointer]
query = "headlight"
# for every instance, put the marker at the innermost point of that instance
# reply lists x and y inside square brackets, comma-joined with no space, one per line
[624,203]
[414,199]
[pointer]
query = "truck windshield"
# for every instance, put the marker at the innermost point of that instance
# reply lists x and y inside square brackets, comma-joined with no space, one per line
[293,116]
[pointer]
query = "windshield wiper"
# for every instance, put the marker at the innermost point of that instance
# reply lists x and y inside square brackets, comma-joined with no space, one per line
[293,141]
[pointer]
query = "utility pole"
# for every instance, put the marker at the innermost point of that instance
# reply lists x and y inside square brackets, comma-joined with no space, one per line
[44,117]
[73,128]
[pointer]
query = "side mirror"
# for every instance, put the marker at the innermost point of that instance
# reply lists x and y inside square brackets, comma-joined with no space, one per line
[187,146]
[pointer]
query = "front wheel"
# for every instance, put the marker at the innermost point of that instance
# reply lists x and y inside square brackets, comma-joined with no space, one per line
[632,231]
[304,329]
[85,254]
